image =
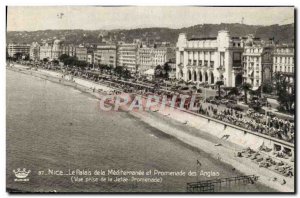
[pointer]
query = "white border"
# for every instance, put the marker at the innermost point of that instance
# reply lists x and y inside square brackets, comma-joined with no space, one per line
[3,4]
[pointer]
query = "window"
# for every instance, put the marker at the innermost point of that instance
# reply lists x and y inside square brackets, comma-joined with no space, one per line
[200,62]
[222,59]
[237,58]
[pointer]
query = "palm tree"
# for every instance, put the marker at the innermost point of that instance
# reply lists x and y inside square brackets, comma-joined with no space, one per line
[119,71]
[246,87]
[219,83]
[234,91]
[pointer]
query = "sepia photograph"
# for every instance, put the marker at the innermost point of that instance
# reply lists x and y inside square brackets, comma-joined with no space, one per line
[150,99]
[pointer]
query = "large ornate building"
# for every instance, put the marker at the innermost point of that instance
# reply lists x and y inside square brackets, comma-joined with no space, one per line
[69,50]
[51,51]
[211,59]
[34,52]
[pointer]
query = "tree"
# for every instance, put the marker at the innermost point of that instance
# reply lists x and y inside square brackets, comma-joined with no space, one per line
[18,55]
[246,87]
[286,99]
[126,74]
[101,67]
[219,83]
[166,69]
[158,71]
[45,60]
[81,64]
[55,62]
[63,57]
[234,91]
[70,60]
[109,69]
[267,87]
[119,71]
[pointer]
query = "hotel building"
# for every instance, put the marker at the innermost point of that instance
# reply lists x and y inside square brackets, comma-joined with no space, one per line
[69,50]
[283,62]
[151,57]
[257,61]
[14,48]
[51,51]
[34,52]
[127,56]
[106,55]
[46,51]
[81,53]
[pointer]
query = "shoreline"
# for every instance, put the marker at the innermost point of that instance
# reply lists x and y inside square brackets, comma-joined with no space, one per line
[186,134]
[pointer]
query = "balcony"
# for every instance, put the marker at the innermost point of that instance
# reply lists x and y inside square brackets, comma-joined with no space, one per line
[237,68]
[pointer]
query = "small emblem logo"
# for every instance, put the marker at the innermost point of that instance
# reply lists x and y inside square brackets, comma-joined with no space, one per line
[21,174]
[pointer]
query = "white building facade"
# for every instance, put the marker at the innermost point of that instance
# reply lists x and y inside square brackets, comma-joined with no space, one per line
[127,56]
[17,48]
[106,55]
[34,52]
[208,60]
[150,57]
[283,63]
[257,61]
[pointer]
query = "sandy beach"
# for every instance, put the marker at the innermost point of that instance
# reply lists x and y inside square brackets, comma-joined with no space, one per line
[171,123]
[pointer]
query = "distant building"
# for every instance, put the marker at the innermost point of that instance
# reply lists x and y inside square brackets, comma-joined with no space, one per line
[151,57]
[283,62]
[257,61]
[18,48]
[106,55]
[211,59]
[172,67]
[46,51]
[90,58]
[127,56]
[69,50]
[56,50]
[34,52]
[81,53]
[51,51]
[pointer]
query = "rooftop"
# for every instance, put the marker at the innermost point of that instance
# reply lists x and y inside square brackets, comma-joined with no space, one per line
[203,38]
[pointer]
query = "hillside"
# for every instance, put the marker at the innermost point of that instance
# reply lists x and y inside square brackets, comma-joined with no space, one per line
[281,33]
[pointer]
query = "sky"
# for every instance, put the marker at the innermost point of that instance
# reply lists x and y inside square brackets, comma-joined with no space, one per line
[30,18]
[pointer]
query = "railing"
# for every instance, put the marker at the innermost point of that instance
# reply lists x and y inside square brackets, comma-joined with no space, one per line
[211,185]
